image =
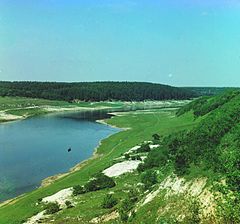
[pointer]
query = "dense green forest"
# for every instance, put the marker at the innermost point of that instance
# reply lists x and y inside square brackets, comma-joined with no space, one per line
[212,145]
[94,91]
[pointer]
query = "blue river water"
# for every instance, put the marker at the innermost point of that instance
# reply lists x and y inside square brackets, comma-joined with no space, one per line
[36,148]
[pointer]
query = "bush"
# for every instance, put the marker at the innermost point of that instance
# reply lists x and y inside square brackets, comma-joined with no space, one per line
[78,190]
[123,215]
[149,178]
[136,157]
[194,211]
[52,208]
[144,148]
[156,158]
[127,205]
[109,201]
[68,204]
[100,181]
[156,137]
[127,156]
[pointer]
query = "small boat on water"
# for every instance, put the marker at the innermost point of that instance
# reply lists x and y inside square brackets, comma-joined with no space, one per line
[69,149]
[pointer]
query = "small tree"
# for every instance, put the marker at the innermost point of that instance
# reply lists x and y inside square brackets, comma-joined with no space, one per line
[149,178]
[78,190]
[156,137]
[68,204]
[109,201]
[144,148]
[100,181]
[127,156]
[52,208]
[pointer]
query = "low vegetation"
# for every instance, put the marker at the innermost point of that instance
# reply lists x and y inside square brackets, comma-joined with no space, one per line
[109,201]
[52,208]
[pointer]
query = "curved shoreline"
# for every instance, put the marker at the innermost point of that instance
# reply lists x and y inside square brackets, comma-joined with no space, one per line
[51,179]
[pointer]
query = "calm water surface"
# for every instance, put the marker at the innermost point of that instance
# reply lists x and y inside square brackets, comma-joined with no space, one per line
[33,149]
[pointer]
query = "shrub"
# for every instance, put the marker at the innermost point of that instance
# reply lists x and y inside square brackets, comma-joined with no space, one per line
[123,215]
[109,201]
[52,208]
[156,158]
[194,211]
[136,157]
[149,178]
[156,137]
[127,156]
[78,190]
[100,181]
[68,204]
[144,148]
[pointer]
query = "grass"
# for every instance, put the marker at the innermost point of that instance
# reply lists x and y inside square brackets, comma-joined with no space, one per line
[142,125]
[27,107]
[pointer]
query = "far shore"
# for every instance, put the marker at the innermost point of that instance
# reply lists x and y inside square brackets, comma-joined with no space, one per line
[7,117]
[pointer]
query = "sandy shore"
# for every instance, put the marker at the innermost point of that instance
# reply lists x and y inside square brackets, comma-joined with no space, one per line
[6,117]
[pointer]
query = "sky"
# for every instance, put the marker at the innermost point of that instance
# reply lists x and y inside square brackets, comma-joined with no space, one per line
[175,42]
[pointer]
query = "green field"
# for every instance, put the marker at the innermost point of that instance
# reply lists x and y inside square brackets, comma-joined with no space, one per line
[14,108]
[141,126]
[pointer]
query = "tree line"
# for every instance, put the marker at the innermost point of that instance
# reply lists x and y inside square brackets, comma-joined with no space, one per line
[94,91]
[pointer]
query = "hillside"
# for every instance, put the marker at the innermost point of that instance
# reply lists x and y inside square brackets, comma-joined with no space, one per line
[94,91]
[210,91]
[184,169]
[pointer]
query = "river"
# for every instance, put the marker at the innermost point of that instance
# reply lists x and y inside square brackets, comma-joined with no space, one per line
[36,148]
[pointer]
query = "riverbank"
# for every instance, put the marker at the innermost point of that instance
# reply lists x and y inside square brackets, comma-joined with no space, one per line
[17,108]
[140,127]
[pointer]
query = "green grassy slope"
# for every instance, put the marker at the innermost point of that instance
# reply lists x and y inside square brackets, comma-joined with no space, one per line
[210,149]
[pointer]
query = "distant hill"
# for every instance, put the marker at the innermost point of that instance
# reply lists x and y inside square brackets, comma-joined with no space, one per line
[94,91]
[209,91]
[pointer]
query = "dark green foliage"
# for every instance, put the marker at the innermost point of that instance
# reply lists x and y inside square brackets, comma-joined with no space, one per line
[194,211]
[127,156]
[127,205]
[100,181]
[68,204]
[78,190]
[156,137]
[109,201]
[52,208]
[144,148]
[132,195]
[123,215]
[204,105]
[158,157]
[136,157]
[149,178]
[94,91]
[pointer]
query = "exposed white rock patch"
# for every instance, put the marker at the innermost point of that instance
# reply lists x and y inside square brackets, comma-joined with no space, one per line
[153,146]
[133,149]
[60,197]
[121,168]
[175,185]
[36,218]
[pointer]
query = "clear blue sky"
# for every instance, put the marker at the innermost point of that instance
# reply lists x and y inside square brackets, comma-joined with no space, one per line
[176,42]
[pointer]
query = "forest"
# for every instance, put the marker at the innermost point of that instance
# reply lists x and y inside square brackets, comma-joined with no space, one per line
[94,91]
